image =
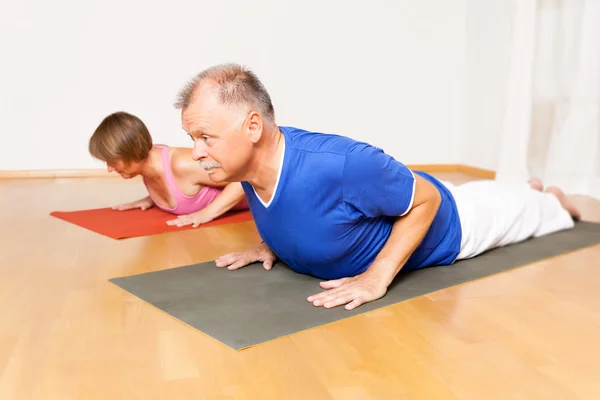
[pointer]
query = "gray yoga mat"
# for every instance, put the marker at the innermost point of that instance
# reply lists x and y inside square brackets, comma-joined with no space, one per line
[249,306]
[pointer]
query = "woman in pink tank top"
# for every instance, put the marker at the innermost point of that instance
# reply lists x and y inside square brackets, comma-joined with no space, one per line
[175,182]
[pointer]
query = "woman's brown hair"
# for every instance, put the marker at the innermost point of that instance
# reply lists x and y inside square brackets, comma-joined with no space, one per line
[121,136]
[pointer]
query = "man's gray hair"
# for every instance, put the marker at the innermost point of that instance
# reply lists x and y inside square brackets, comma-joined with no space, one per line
[235,84]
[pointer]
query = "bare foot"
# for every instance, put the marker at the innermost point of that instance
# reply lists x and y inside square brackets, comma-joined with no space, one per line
[536,184]
[565,202]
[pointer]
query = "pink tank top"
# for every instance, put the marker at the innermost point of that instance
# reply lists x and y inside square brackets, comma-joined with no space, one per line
[186,204]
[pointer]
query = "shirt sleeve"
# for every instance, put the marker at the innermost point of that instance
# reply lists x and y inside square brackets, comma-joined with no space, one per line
[375,184]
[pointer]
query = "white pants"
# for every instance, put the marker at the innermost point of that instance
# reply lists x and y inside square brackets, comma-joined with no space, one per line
[494,214]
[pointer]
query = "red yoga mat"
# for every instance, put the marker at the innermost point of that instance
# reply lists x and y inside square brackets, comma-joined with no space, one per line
[134,223]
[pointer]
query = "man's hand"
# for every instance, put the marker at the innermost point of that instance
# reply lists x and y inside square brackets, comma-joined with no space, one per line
[238,260]
[142,204]
[194,219]
[352,291]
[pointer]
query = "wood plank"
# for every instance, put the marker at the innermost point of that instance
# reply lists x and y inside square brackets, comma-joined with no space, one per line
[67,333]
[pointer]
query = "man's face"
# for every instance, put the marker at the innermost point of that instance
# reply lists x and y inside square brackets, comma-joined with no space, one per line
[126,170]
[222,136]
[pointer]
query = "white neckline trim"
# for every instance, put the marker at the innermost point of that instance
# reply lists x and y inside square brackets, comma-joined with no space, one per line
[266,205]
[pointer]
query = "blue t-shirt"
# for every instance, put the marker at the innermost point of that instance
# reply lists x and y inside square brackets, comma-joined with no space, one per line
[334,205]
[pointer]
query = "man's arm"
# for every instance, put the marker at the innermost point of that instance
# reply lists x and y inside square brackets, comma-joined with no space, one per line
[376,185]
[407,233]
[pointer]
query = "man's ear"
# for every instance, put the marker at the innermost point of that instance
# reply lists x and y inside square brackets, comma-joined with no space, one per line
[255,126]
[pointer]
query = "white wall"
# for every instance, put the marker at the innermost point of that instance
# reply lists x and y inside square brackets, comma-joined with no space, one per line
[488,46]
[388,72]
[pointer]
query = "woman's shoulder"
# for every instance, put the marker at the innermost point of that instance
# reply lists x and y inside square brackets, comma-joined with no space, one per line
[182,161]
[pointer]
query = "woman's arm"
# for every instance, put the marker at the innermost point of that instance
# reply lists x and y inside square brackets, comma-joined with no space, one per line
[231,195]
[142,204]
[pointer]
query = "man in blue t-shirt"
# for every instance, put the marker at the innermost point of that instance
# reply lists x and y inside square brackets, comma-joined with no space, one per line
[326,205]
[336,200]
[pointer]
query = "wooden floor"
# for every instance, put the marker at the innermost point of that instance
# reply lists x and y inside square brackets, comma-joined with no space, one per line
[67,333]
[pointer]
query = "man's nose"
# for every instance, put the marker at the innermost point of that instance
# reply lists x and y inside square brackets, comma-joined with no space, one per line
[109,168]
[198,152]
